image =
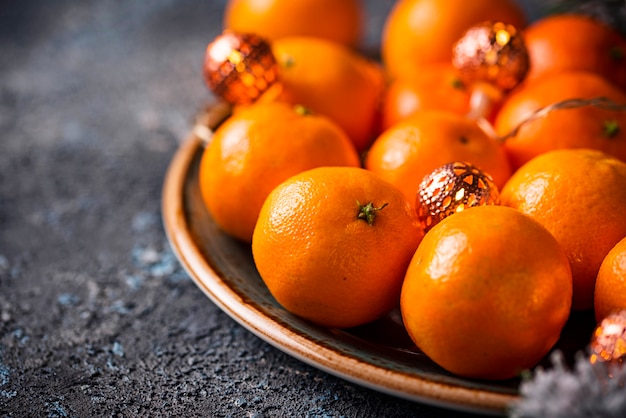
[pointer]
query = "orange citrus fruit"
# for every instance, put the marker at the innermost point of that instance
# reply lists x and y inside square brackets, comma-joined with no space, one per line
[579,127]
[339,21]
[334,81]
[256,149]
[487,293]
[436,87]
[566,42]
[579,195]
[610,290]
[412,148]
[423,31]
[333,243]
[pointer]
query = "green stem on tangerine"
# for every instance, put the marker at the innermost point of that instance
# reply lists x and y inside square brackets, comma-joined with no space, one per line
[368,212]
[288,62]
[610,128]
[302,110]
[458,84]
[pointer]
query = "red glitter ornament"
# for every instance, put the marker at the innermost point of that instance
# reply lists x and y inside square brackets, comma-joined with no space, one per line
[452,188]
[239,67]
[491,52]
[491,59]
[608,343]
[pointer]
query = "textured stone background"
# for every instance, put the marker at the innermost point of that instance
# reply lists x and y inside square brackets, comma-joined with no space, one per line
[96,316]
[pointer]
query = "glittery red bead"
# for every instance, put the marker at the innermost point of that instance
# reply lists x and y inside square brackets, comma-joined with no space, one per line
[239,67]
[452,188]
[491,52]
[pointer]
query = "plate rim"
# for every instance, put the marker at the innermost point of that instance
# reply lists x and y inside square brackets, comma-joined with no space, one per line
[358,371]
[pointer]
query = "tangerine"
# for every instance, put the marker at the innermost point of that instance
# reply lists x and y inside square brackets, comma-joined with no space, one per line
[589,45]
[405,153]
[257,148]
[436,87]
[610,290]
[332,245]
[338,21]
[579,195]
[332,80]
[584,126]
[417,32]
[487,293]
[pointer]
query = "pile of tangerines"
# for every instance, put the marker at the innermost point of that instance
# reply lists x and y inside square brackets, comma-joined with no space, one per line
[321,174]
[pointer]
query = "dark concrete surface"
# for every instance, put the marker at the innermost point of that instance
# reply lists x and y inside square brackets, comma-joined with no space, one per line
[97,318]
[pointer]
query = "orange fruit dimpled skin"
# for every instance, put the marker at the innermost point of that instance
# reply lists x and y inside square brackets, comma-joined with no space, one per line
[588,46]
[423,31]
[580,197]
[324,262]
[582,127]
[256,149]
[487,293]
[405,153]
[332,80]
[436,87]
[610,291]
[339,21]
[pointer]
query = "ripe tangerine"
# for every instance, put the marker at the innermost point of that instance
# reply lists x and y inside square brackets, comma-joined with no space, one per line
[332,245]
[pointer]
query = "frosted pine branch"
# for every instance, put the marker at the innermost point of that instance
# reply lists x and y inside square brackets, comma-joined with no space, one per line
[589,390]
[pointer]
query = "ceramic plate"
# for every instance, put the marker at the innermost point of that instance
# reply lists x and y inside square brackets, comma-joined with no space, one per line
[379,355]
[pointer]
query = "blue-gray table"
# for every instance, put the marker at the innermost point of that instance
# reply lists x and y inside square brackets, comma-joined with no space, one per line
[97,317]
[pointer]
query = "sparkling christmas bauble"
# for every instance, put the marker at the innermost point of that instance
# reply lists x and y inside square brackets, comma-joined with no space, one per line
[491,52]
[452,188]
[239,67]
[608,343]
